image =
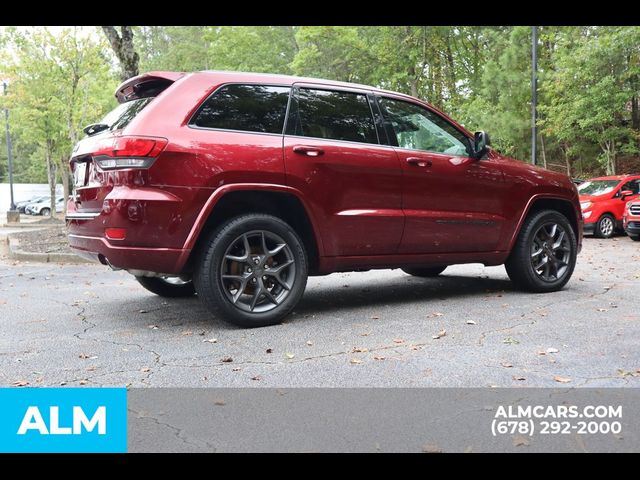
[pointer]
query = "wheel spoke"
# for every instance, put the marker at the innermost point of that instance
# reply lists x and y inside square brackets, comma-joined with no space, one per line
[278,270]
[277,278]
[558,242]
[257,294]
[270,296]
[238,294]
[536,253]
[554,229]
[277,250]
[235,258]
[547,269]
[542,263]
[265,250]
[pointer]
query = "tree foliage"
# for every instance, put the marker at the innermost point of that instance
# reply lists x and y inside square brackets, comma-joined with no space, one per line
[589,80]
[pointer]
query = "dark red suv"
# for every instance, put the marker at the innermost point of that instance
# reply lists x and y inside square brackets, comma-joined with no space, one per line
[238,186]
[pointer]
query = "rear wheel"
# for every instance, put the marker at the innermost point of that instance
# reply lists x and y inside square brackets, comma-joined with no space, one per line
[606,226]
[45,212]
[424,272]
[544,256]
[635,238]
[252,270]
[168,286]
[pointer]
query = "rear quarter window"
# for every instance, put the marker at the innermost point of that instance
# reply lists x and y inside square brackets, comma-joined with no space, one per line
[247,108]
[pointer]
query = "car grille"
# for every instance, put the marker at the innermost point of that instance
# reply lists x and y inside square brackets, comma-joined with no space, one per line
[635,209]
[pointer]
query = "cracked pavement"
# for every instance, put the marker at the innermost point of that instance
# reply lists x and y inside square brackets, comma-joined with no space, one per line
[86,325]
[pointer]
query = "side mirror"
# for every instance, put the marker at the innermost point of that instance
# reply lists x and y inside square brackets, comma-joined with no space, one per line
[481,141]
[625,193]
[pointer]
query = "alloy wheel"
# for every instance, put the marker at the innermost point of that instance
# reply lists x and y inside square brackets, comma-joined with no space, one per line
[550,252]
[258,271]
[606,226]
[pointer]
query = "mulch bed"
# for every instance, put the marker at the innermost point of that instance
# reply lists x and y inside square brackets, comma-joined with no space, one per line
[52,239]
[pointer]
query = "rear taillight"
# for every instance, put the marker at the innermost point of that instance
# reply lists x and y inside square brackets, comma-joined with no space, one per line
[128,152]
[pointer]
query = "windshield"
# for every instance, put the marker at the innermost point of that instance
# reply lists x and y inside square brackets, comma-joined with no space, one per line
[597,187]
[122,115]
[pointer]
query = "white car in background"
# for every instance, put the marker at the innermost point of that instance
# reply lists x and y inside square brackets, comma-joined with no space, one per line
[44,207]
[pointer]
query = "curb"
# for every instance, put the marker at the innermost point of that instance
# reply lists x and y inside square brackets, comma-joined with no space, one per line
[24,225]
[16,254]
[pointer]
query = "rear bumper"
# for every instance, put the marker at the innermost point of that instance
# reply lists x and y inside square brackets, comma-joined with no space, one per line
[160,260]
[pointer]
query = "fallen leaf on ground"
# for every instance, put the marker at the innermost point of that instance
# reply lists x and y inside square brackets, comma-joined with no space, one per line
[356,361]
[20,383]
[256,378]
[269,350]
[152,327]
[86,356]
[541,352]
[552,350]
[91,369]
[510,341]
[187,333]
[359,350]
[83,382]
[145,369]
[507,364]
[470,322]
[143,311]
[219,402]
[226,359]
[210,340]
[375,317]
[560,379]
[440,334]
[602,309]
[236,369]
[398,340]
[431,448]
[519,378]
[521,441]
[378,357]
[310,343]
[289,355]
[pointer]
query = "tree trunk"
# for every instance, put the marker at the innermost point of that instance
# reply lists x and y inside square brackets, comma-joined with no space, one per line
[542,151]
[64,173]
[51,176]
[122,45]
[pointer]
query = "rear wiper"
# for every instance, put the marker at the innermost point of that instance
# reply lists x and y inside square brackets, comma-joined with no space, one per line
[95,128]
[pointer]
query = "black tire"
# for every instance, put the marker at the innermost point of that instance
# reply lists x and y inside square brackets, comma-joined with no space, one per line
[259,299]
[160,286]
[635,238]
[424,272]
[605,226]
[45,212]
[527,251]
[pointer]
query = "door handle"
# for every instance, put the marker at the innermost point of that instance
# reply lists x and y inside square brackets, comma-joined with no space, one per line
[308,150]
[419,162]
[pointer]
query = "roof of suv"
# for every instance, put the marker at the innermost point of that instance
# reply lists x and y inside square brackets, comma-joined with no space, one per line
[288,79]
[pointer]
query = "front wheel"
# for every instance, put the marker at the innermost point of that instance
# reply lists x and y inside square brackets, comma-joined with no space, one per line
[252,270]
[544,256]
[606,226]
[45,212]
[167,286]
[635,238]
[424,272]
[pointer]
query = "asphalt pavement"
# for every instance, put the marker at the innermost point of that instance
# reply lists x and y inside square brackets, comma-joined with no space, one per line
[87,325]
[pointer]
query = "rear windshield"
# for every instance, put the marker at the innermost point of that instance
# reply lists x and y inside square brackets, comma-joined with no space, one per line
[597,187]
[122,115]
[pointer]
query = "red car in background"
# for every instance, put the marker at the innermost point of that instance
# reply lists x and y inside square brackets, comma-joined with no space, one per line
[603,202]
[631,220]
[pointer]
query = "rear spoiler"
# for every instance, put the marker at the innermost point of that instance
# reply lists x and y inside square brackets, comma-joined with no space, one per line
[146,85]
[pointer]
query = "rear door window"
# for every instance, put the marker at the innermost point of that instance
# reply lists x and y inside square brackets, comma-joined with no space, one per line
[331,114]
[247,108]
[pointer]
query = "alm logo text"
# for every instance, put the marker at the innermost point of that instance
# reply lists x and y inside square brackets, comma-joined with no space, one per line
[34,421]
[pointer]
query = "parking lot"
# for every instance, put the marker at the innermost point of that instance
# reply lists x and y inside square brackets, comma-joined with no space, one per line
[86,325]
